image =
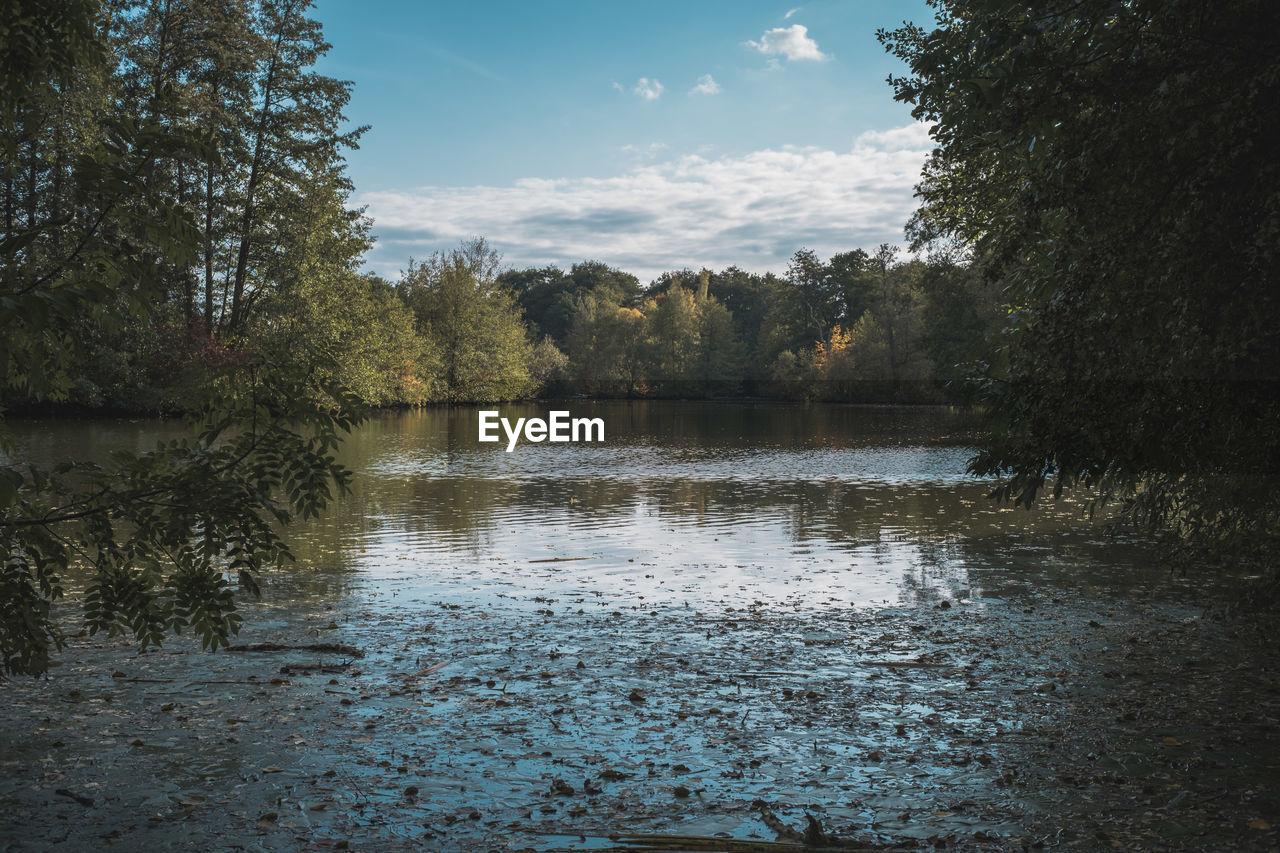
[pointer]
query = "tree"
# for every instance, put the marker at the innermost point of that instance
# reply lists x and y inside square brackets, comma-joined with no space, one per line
[854,278]
[816,292]
[747,298]
[548,296]
[241,74]
[720,356]
[1109,163]
[673,339]
[895,307]
[169,538]
[471,322]
[606,346]
[959,318]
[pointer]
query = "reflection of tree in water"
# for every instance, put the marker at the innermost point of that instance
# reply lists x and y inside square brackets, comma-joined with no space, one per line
[424,482]
[786,477]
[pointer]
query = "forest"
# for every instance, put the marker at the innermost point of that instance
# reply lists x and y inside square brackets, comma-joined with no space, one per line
[235,144]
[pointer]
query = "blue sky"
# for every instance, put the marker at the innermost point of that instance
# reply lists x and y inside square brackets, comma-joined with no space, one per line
[651,136]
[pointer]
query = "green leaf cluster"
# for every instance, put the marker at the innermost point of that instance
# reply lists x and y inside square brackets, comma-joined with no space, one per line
[1111,164]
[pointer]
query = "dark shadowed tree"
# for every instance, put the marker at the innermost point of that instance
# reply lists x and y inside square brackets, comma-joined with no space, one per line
[165,540]
[1111,164]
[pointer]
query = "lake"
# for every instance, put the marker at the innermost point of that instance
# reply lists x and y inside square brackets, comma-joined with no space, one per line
[707,504]
[723,617]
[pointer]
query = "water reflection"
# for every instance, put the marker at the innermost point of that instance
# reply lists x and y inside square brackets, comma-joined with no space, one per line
[684,504]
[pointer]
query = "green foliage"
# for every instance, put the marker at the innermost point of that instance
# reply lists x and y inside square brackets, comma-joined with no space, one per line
[168,537]
[471,322]
[960,317]
[606,346]
[172,535]
[712,333]
[549,296]
[548,367]
[1110,165]
[721,355]
[673,339]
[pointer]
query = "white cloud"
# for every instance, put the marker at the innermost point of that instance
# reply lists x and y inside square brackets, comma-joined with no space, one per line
[648,89]
[909,137]
[793,42]
[790,12]
[645,152]
[618,86]
[753,210]
[707,85]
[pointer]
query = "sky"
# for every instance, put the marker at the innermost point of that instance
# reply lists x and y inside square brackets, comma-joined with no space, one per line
[651,136]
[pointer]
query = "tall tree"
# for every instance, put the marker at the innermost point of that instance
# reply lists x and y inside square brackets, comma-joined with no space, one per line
[472,322]
[815,291]
[606,346]
[673,339]
[721,355]
[172,536]
[1110,162]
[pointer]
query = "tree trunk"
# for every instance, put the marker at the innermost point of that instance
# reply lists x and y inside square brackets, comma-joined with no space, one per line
[208,248]
[255,176]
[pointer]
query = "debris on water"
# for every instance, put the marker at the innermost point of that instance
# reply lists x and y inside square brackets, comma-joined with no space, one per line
[415,740]
[330,648]
[87,802]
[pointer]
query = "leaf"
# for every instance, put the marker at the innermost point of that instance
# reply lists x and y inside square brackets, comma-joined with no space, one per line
[10,482]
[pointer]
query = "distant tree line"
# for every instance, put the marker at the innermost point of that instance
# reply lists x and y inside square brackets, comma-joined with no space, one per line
[857,327]
[458,328]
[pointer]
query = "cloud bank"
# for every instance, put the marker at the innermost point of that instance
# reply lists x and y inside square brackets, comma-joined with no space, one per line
[754,210]
[793,42]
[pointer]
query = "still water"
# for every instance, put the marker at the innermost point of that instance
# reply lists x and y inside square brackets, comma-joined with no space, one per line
[720,614]
[701,504]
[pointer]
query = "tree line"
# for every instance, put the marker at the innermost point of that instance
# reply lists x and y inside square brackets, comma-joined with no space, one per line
[459,328]
[246,160]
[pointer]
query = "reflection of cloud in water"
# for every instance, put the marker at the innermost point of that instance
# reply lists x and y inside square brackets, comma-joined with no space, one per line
[709,504]
[881,465]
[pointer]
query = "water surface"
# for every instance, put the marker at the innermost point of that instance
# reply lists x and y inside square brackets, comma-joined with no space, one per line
[704,504]
[719,609]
